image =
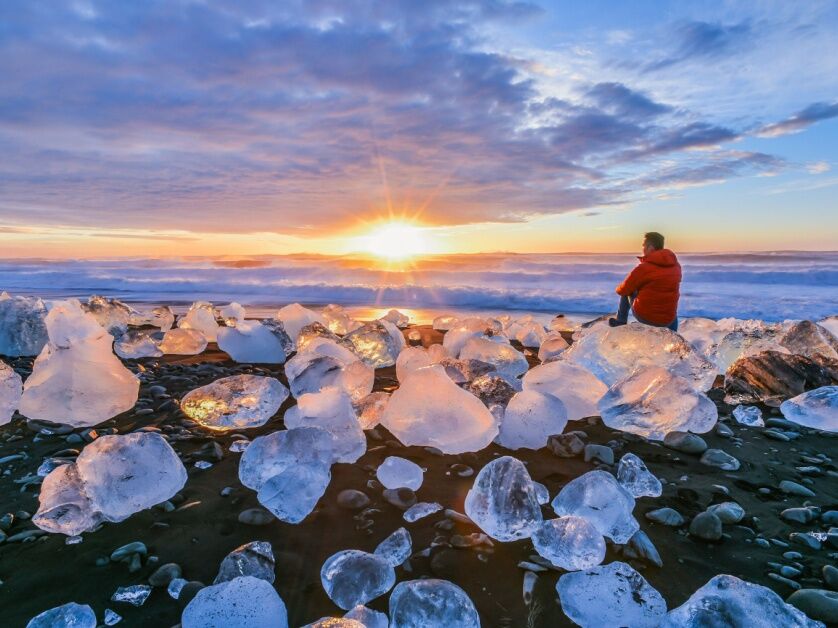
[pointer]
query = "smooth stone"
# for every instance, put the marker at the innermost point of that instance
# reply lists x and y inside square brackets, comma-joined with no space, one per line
[685,442]
[189,591]
[727,512]
[786,581]
[788,571]
[818,604]
[352,499]
[720,459]
[806,540]
[830,517]
[164,574]
[793,488]
[599,452]
[706,526]
[666,516]
[136,547]
[402,498]
[255,517]
[830,576]
[798,515]
[723,430]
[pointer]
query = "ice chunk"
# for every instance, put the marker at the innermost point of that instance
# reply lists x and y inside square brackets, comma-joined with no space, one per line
[733,603]
[599,498]
[742,343]
[11,387]
[235,402]
[271,454]
[431,602]
[531,334]
[353,577]
[338,320]
[612,353]
[161,316]
[112,478]
[465,371]
[396,548]
[421,510]
[324,363]
[610,595]
[570,543]
[552,348]
[294,317]
[331,409]
[374,344]
[138,343]
[262,341]
[633,475]
[183,342]
[201,317]
[444,322]
[506,359]
[232,314]
[411,359]
[293,493]
[370,409]
[22,327]
[397,318]
[336,622]
[367,617]
[817,409]
[653,402]
[702,333]
[135,594]
[70,615]
[397,472]
[810,339]
[542,494]
[245,601]
[577,388]
[112,314]
[429,409]
[503,501]
[748,415]
[251,559]
[315,331]
[530,419]
[456,338]
[76,379]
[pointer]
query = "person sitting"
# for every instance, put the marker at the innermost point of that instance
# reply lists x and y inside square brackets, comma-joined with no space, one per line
[652,289]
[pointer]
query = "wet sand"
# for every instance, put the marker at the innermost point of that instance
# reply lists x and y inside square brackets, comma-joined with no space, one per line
[45,572]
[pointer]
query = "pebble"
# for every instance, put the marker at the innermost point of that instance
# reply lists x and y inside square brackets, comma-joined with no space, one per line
[792,555]
[666,516]
[830,576]
[807,540]
[789,572]
[793,488]
[402,498]
[720,459]
[164,574]
[727,512]
[706,526]
[762,543]
[775,435]
[818,604]
[830,517]
[462,470]
[789,583]
[798,515]
[599,452]
[189,591]
[255,517]
[352,499]
[685,442]
[129,549]
[723,430]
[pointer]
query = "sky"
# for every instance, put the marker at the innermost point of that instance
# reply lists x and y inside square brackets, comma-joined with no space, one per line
[201,127]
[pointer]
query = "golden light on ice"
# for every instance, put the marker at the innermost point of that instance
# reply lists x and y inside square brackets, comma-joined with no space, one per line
[395,241]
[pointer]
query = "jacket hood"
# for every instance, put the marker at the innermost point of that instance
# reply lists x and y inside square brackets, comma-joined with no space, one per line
[661,257]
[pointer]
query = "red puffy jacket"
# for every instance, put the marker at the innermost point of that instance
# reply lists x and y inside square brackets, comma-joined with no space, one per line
[656,279]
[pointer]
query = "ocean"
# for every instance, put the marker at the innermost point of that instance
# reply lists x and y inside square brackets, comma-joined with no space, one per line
[771,286]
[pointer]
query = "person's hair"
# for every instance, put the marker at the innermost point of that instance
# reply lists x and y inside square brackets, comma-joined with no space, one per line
[655,239]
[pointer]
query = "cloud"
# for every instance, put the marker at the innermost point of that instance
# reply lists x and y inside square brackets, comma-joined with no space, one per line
[818,167]
[802,119]
[702,40]
[623,101]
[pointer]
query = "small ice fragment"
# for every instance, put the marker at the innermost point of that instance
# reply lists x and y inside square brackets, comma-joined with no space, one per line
[353,577]
[238,446]
[136,594]
[431,602]
[73,540]
[203,464]
[397,472]
[396,548]
[748,415]
[570,543]
[70,615]
[175,587]
[111,618]
[633,475]
[421,510]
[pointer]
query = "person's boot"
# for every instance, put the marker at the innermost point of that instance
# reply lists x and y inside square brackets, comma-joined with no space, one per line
[615,322]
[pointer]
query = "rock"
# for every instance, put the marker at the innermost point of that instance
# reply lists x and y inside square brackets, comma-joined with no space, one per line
[125,551]
[798,515]
[570,543]
[430,602]
[352,499]
[633,475]
[353,577]
[818,604]
[707,526]
[733,603]
[810,339]
[723,431]
[565,445]
[262,342]
[720,459]
[817,409]
[610,595]
[577,388]
[666,516]
[255,517]
[598,497]
[599,452]
[830,576]
[401,498]
[244,601]
[493,390]
[397,472]
[451,419]
[770,377]
[530,419]
[233,403]
[164,574]
[685,442]
[793,488]
[251,559]
[70,615]
[503,502]
[642,545]
[651,402]
[727,512]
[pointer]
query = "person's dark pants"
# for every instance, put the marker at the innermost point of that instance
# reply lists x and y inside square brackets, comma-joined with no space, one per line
[625,307]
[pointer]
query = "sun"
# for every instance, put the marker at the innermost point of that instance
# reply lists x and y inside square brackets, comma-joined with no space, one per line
[395,241]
